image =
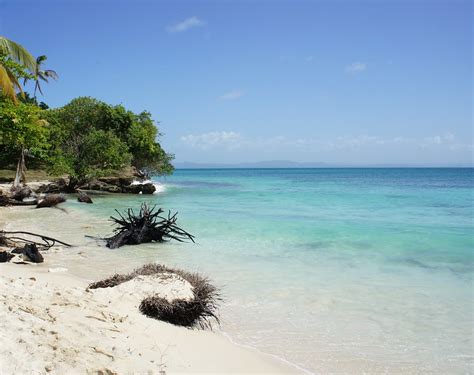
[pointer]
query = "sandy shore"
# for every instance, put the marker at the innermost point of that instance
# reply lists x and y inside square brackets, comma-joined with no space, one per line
[51,323]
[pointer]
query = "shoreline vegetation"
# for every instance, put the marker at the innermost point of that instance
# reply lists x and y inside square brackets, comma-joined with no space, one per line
[54,322]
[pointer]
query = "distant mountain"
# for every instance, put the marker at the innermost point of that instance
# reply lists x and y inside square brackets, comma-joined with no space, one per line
[259,164]
[294,164]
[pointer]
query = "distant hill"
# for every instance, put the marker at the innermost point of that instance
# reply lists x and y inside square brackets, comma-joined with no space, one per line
[294,164]
[259,164]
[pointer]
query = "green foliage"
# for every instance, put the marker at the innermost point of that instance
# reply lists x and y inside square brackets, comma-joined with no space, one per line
[28,99]
[91,138]
[101,152]
[147,153]
[22,126]
[16,68]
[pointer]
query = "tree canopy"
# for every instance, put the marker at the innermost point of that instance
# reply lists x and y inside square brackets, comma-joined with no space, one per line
[86,138]
[93,138]
[23,126]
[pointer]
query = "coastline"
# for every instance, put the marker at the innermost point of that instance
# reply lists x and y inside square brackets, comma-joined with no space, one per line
[54,325]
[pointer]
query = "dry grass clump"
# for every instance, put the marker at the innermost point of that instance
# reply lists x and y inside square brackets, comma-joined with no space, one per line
[198,312]
[112,281]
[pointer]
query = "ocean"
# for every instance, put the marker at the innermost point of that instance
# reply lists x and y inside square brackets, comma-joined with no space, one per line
[333,270]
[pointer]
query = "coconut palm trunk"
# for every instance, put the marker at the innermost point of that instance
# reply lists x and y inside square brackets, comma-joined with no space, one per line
[20,176]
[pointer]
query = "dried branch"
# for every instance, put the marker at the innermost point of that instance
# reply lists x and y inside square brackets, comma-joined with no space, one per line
[146,226]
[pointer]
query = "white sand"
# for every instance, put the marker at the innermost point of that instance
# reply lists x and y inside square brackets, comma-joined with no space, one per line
[51,324]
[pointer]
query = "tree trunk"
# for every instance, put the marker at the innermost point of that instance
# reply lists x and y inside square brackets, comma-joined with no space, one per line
[20,176]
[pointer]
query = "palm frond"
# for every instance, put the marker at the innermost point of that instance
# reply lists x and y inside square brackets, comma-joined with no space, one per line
[6,84]
[51,74]
[41,59]
[18,53]
[15,82]
[38,87]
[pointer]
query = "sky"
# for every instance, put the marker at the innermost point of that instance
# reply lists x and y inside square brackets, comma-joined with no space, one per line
[357,82]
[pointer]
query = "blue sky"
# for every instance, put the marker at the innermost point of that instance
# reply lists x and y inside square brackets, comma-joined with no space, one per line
[237,81]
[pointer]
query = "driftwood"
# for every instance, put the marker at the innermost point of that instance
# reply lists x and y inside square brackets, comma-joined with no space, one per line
[18,236]
[51,200]
[146,226]
[200,311]
[20,176]
[30,249]
[15,198]
[21,193]
[84,198]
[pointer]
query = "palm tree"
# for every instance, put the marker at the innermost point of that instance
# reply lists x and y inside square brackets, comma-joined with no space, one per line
[8,80]
[43,75]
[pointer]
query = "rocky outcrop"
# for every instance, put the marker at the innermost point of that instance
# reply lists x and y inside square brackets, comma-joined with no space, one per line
[148,188]
[126,185]
[55,187]
[119,185]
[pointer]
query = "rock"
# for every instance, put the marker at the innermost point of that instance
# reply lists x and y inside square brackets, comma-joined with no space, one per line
[93,185]
[84,198]
[117,181]
[4,201]
[51,200]
[21,193]
[30,251]
[56,187]
[111,188]
[5,256]
[148,188]
[132,189]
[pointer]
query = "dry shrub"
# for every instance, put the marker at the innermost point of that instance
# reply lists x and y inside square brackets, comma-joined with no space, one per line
[198,312]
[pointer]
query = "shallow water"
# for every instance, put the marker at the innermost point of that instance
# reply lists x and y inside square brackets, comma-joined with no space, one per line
[335,270]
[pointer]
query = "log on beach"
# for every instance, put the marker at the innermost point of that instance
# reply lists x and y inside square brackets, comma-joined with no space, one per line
[51,200]
[7,200]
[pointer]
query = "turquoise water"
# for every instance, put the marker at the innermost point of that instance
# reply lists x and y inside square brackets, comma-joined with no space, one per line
[335,270]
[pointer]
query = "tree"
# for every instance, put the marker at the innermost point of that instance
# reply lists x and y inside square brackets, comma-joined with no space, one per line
[40,74]
[23,131]
[91,139]
[147,153]
[14,62]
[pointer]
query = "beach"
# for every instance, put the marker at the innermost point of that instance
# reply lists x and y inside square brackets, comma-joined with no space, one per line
[329,270]
[51,323]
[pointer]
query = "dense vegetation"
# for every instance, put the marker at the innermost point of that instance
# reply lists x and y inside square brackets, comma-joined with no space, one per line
[86,138]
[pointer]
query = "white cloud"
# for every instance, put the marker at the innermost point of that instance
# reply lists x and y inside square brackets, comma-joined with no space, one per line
[232,95]
[185,25]
[231,141]
[356,67]
[213,139]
